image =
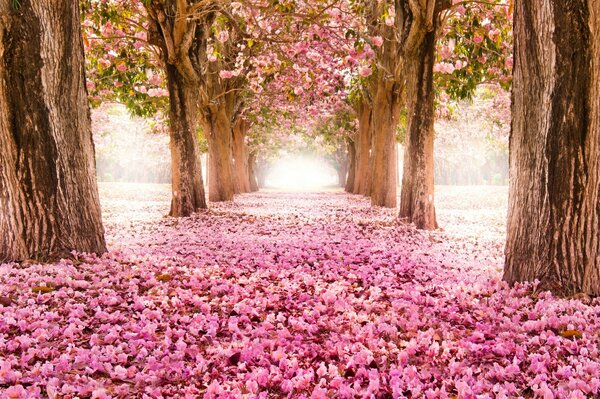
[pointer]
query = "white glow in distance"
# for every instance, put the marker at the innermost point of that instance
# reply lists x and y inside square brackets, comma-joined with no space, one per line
[300,173]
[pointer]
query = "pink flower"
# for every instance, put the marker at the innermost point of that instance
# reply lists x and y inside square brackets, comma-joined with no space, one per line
[365,71]
[226,74]
[223,36]
[15,392]
[377,41]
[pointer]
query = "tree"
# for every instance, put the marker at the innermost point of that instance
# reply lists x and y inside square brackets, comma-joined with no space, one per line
[241,156]
[404,33]
[135,60]
[182,43]
[416,203]
[554,206]
[49,198]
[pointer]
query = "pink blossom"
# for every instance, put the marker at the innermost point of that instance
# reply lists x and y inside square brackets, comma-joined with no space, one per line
[226,74]
[15,392]
[223,36]
[377,41]
[365,71]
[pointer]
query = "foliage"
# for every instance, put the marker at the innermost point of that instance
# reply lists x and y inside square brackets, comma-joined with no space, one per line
[475,48]
[121,65]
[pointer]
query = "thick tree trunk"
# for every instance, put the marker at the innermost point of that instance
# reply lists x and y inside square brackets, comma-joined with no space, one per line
[554,206]
[361,183]
[252,172]
[221,178]
[416,203]
[49,203]
[349,184]
[241,156]
[187,186]
[384,164]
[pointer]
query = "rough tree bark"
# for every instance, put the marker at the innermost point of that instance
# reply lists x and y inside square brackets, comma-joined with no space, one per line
[221,178]
[349,184]
[181,42]
[363,148]
[416,203]
[241,155]
[554,205]
[49,203]
[384,172]
[252,172]
[188,194]
[405,48]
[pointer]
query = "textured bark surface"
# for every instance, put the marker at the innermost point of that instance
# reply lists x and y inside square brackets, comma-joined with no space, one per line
[363,147]
[252,172]
[187,186]
[402,47]
[416,203]
[182,42]
[221,178]
[349,186]
[241,156]
[384,172]
[49,201]
[554,204]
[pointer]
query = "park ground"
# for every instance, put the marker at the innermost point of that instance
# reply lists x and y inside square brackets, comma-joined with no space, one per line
[292,295]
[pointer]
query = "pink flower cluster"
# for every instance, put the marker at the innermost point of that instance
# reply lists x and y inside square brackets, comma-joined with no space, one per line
[287,296]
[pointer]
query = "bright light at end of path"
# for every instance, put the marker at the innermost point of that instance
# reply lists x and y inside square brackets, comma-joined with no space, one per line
[299,173]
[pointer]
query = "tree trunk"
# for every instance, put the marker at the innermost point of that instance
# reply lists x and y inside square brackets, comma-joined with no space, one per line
[349,184]
[252,172]
[48,193]
[221,180]
[261,173]
[554,205]
[416,204]
[384,165]
[186,178]
[363,149]
[240,155]
[342,172]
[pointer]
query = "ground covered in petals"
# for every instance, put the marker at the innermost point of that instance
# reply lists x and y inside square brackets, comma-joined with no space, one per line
[292,295]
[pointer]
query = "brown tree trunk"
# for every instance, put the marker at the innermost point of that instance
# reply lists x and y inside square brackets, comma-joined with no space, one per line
[186,182]
[554,205]
[384,164]
[416,204]
[241,156]
[49,203]
[221,180]
[252,172]
[363,148]
[349,184]
[342,172]
[262,168]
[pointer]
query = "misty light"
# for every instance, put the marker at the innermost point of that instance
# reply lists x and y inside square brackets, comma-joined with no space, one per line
[300,173]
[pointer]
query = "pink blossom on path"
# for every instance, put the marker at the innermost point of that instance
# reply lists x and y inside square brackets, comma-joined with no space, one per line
[292,295]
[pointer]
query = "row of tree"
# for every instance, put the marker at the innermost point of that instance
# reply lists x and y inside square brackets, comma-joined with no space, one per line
[211,52]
